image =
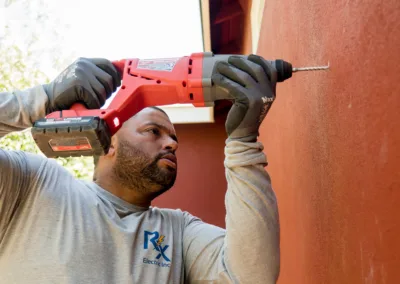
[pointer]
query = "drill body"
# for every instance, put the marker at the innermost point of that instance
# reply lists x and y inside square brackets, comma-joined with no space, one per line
[145,82]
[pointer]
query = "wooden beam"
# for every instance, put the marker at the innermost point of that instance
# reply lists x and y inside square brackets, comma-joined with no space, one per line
[205,20]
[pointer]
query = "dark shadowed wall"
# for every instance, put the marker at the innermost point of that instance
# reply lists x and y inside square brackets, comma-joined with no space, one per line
[201,185]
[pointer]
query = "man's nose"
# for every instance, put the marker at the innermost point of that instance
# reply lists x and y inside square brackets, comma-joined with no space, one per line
[170,144]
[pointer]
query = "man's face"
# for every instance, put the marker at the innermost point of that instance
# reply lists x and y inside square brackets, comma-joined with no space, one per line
[145,153]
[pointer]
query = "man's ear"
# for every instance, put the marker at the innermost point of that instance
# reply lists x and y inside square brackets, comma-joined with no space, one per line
[113,146]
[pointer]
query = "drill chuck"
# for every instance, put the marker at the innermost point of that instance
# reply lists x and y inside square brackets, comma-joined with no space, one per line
[284,70]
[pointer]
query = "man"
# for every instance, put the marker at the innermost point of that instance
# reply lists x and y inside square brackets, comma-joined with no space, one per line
[55,228]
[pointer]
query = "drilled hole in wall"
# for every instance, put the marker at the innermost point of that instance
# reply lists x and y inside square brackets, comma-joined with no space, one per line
[184,83]
[191,96]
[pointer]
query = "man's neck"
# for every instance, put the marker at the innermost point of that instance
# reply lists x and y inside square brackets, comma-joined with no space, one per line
[122,191]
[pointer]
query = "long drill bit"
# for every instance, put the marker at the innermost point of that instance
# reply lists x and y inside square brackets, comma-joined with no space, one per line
[296,69]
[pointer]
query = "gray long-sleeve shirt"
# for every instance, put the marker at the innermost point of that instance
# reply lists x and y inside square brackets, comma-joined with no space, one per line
[55,228]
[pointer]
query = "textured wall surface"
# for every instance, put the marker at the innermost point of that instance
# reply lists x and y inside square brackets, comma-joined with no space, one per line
[333,139]
[201,185]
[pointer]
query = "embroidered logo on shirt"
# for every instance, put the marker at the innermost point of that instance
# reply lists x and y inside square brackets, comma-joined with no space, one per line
[155,240]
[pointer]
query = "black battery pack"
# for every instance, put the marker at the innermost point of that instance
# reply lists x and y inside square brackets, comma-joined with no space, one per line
[72,136]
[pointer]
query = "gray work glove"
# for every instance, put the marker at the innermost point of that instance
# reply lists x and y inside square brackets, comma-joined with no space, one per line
[87,81]
[251,83]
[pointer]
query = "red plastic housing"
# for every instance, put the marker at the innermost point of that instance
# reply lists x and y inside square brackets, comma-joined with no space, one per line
[148,82]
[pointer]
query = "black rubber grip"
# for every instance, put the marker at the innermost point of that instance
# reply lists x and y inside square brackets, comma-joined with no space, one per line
[284,69]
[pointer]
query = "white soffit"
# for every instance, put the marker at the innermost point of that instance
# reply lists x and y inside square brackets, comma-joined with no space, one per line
[187,113]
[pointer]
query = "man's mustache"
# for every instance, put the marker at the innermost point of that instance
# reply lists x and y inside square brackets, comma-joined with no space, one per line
[162,155]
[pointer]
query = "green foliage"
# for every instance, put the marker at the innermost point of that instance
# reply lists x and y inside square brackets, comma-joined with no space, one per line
[8,3]
[16,74]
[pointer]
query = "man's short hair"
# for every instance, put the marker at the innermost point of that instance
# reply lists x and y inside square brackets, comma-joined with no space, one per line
[159,109]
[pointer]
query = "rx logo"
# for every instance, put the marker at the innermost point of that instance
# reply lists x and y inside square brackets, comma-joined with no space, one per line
[157,241]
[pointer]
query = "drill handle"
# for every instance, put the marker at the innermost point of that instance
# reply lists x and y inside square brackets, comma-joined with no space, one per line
[78,107]
[120,66]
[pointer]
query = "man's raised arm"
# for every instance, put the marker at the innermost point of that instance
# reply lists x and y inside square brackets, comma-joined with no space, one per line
[248,251]
[19,109]
[90,81]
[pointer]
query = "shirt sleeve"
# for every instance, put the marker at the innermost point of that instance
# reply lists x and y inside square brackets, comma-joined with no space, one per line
[248,250]
[21,108]
[17,169]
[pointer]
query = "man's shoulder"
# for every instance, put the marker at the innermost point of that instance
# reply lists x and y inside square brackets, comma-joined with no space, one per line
[176,214]
[28,161]
[46,166]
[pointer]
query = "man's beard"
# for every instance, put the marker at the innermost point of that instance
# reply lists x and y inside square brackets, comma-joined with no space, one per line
[138,171]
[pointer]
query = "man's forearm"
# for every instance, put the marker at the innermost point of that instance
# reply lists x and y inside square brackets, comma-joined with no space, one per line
[20,109]
[252,253]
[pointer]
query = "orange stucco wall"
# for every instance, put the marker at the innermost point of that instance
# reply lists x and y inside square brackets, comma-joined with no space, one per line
[201,185]
[333,139]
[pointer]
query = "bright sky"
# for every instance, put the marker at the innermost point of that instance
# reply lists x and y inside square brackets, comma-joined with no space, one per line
[114,29]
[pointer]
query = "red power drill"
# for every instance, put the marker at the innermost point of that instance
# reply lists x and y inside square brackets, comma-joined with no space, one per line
[145,82]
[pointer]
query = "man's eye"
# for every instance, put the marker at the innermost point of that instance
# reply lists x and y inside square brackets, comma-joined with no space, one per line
[154,131]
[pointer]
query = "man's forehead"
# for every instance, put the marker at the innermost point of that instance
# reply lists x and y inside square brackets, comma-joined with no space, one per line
[152,115]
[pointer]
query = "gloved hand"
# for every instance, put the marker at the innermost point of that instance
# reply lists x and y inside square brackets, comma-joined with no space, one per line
[251,83]
[87,81]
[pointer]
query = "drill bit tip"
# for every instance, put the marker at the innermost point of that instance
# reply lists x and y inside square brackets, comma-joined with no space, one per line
[296,69]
